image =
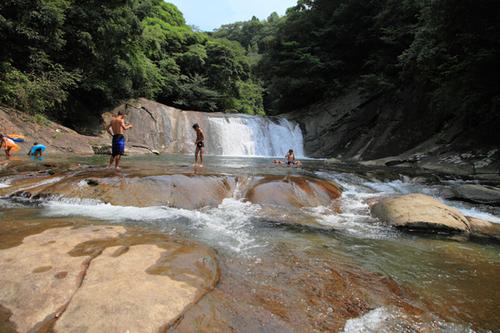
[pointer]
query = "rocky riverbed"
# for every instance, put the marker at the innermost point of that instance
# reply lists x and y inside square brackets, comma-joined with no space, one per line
[244,246]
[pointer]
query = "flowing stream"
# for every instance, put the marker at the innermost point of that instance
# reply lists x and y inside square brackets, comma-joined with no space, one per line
[287,255]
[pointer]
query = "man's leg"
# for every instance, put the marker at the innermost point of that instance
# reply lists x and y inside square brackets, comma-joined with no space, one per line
[111,160]
[117,161]
[201,156]
[197,150]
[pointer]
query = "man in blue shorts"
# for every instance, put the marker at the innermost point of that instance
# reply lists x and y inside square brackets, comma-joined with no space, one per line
[116,128]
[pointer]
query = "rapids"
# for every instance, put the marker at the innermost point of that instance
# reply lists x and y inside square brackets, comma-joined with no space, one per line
[298,248]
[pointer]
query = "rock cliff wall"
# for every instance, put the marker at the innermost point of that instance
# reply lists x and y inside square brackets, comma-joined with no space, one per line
[359,127]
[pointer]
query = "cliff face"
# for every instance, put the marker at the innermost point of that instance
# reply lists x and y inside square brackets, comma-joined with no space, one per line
[360,127]
[162,128]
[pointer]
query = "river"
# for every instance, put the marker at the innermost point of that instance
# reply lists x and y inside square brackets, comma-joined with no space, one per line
[287,268]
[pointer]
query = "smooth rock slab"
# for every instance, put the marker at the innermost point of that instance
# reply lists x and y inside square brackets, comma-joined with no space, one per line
[38,277]
[420,212]
[477,194]
[118,295]
[293,191]
[98,278]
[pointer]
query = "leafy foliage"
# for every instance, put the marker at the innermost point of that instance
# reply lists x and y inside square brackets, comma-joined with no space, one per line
[63,57]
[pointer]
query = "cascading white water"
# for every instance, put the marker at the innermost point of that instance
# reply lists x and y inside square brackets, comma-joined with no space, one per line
[254,136]
[170,130]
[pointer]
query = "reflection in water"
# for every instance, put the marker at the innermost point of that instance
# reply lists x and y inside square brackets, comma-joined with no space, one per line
[286,255]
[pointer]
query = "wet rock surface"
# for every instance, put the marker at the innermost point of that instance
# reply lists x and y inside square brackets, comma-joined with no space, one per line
[90,277]
[294,254]
[293,191]
[304,292]
[180,190]
[420,213]
[484,229]
[477,194]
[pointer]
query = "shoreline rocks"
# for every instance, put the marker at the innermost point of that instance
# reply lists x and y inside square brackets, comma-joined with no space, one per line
[422,213]
[475,193]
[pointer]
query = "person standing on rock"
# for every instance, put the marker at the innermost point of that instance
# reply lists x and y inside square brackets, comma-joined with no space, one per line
[199,144]
[116,128]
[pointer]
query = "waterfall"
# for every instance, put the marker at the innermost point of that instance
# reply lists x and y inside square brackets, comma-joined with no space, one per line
[253,136]
[170,130]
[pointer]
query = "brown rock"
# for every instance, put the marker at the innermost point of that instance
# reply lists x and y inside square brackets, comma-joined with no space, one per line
[118,295]
[100,278]
[484,229]
[294,191]
[57,138]
[420,212]
[33,294]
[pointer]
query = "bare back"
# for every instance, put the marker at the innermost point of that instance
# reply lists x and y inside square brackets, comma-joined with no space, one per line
[117,125]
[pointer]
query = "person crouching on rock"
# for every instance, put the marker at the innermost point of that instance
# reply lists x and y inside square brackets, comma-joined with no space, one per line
[116,128]
[9,145]
[200,137]
[36,151]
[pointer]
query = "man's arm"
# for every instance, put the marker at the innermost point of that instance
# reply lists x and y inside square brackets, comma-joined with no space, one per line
[125,127]
[108,129]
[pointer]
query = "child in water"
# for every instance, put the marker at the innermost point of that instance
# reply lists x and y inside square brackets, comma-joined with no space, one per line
[290,159]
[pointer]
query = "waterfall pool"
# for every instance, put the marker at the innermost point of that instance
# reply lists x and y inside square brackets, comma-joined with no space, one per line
[323,268]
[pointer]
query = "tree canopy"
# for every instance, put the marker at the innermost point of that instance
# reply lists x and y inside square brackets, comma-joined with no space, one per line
[60,56]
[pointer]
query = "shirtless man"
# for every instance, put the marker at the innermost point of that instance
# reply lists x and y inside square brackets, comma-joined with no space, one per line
[199,144]
[116,128]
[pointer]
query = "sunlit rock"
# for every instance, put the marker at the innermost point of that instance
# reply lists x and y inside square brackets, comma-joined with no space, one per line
[420,213]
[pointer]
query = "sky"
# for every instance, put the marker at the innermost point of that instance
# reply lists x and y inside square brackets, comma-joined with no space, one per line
[210,14]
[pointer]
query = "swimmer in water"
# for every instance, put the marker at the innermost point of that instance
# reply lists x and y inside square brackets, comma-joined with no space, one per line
[290,159]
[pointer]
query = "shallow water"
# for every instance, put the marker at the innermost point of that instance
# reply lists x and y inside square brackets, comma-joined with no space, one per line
[284,266]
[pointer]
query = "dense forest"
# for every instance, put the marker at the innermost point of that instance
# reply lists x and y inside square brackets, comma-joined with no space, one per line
[60,56]
[450,48]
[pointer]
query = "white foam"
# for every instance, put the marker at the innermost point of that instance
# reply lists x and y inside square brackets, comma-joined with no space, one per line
[356,191]
[42,183]
[4,185]
[227,225]
[373,321]
[473,212]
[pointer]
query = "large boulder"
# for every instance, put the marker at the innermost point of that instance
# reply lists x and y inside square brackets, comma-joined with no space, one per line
[420,213]
[477,194]
[293,191]
[484,229]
